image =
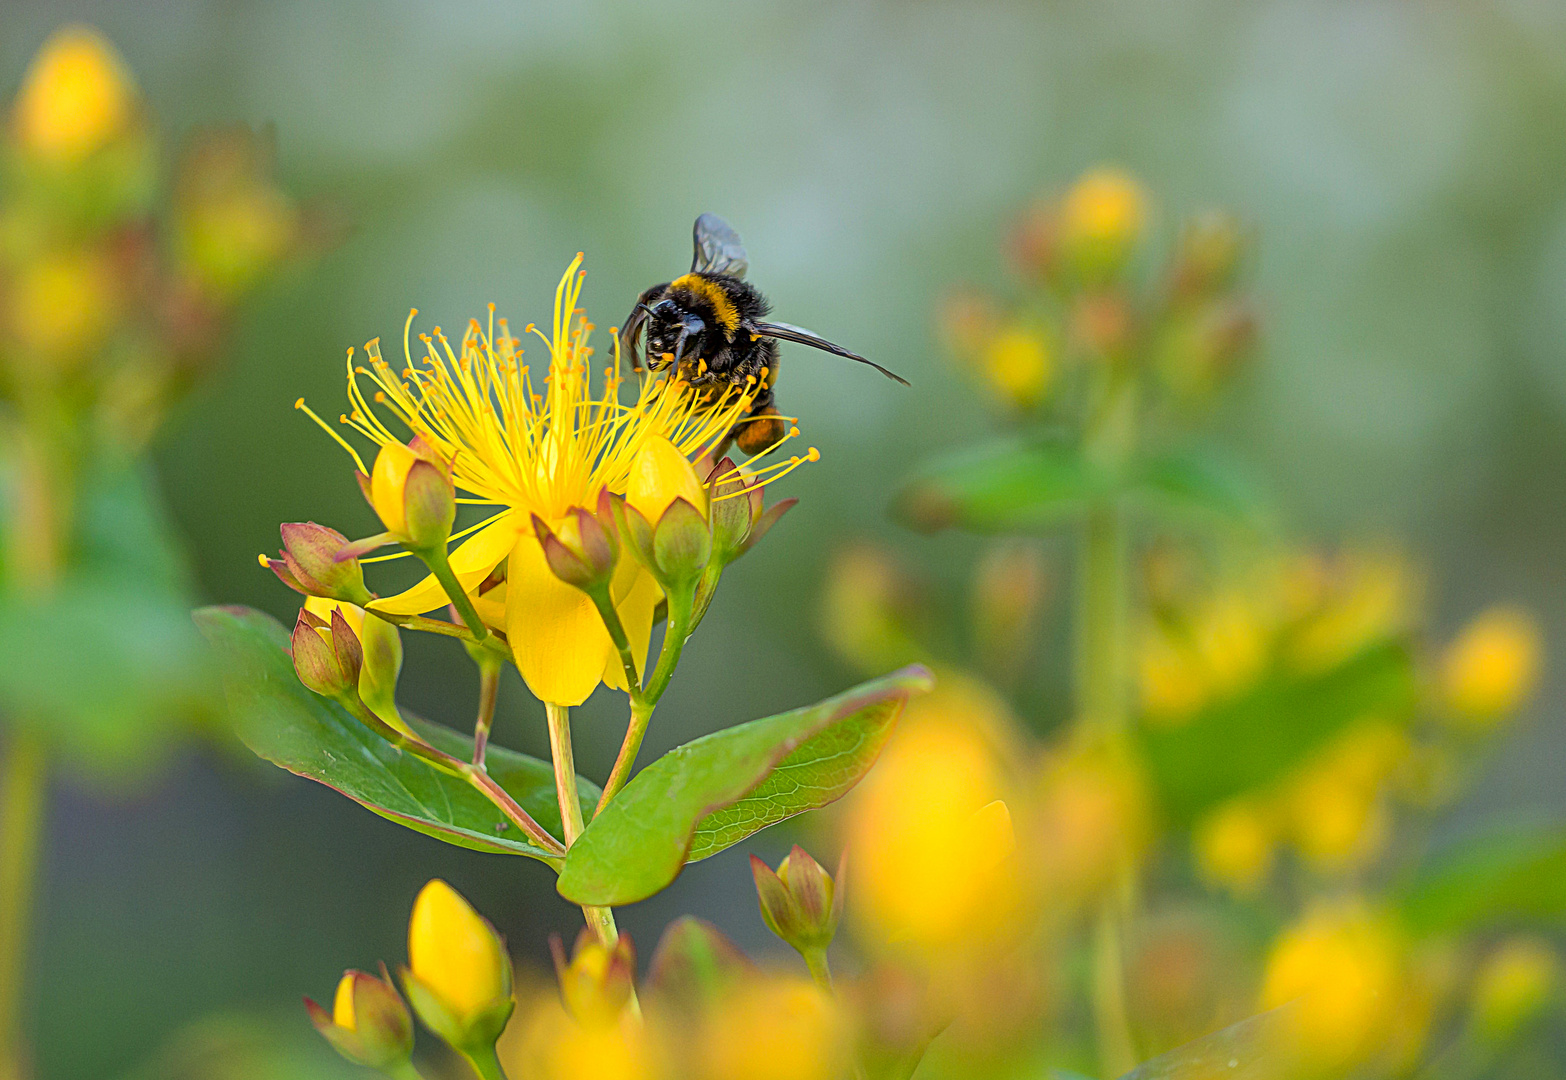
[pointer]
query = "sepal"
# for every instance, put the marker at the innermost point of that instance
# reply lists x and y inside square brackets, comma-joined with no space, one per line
[800,901]
[327,655]
[465,1032]
[369,1025]
[598,981]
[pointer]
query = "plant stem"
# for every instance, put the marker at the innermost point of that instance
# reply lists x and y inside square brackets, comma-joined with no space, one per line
[601,919]
[820,970]
[604,602]
[675,634]
[22,804]
[1101,622]
[635,732]
[493,641]
[485,1063]
[404,1071]
[440,566]
[489,688]
[1117,1053]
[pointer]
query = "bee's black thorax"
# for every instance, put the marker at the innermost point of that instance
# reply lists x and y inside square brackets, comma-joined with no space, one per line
[712,311]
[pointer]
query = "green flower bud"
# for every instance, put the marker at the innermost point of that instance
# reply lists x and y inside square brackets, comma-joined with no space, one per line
[327,655]
[369,1024]
[800,902]
[311,562]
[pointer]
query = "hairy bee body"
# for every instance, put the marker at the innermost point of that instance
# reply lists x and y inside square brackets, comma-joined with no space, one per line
[710,325]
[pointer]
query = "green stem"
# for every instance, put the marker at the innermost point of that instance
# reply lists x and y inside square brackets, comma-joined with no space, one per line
[22,804]
[440,566]
[820,970]
[493,641]
[622,642]
[601,919]
[643,704]
[405,1071]
[1101,622]
[1117,1052]
[485,1063]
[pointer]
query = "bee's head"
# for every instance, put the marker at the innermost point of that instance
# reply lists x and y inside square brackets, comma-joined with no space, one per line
[673,330]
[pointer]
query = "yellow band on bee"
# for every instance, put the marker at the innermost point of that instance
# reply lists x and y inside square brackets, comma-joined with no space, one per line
[722,306]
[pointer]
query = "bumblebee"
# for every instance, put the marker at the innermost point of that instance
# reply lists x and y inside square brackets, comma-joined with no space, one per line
[709,325]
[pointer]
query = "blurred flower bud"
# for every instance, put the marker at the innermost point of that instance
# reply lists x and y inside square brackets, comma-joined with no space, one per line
[309,563]
[413,496]
[327,654]
[548,1043]
[966,321]
[369,1025]
[1018,366]
[1171,675]
[871,613]
[1208,255]
[1101,323]
[233,224]
[1369,601]
[458,977]
[61,307]
[773,1029]
[1344,966]
[598,981]
[1337,819]
[380,645]
[1199,349]
[1035,240]
[75,98]
[1492,667]
[584,552]
[1009,587]
[1101,219]
[1235,845]
[1513,985]
[800,902]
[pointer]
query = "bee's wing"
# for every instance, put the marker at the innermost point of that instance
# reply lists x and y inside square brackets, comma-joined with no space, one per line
[718,248]
[786,332]
[635,322]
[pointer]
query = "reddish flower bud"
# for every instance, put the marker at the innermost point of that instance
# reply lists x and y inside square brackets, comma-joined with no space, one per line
[369,1024]
[310,563]
[800,903]
[327,655]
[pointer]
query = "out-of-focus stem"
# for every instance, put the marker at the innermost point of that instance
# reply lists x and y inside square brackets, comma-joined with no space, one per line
[1117,1053]
[486,1063]
[489,688]
[820,970]
[21,829]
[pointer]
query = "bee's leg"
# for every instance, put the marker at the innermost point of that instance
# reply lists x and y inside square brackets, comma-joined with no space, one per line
[761,429]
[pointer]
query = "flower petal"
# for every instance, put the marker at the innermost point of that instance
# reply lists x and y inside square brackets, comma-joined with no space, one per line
[636,615]
[471,563]
[557,639]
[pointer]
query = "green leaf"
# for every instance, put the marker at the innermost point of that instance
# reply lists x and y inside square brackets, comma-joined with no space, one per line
[306,734]
[1200,484]
[704,796]
[1242,1051]
[1515,872]
[1239,745]
[1010,486]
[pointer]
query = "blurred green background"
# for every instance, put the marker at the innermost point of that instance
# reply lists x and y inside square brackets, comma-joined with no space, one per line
[1404,167]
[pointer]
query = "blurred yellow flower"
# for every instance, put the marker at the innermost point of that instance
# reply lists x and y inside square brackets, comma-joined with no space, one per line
[454,953]
[1103,213]
[536,454]
[547,1043]
[62,305]
[773,1028]
[1492,666]
[1018,365]
[1171,675]
[1232,640]
[1342,966]
[1235,845]
[868,610]
[1372,603]
[929,848]
[1092,820]
[75,97]
[1515,981]
[1336,821]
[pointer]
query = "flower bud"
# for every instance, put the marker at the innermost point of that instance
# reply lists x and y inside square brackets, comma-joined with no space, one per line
[309,564]
[1209,253]
[598,981]
[584,552]
[413,496]
[1018,366]
[458,976]
[327,654]
[369,1024]
[660,475]
[675,549]
[739,519]
[75,98]
[800,903]
[380,645]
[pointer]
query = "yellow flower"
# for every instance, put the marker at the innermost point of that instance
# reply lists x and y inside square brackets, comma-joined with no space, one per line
[1018,366]
[774,1029]
[1235,845]
[1102,215]
[454,954]
[1492,666]
[76,97]
[1172,677]
[63,304]
[1513,984]
[541,444]
[1344,966]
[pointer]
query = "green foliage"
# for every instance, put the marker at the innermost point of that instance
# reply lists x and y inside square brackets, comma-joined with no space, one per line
[1030,483]
[713,792]
[1242,1051]
[1243,744]
[306,734]
[106,666]
[1498,875]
